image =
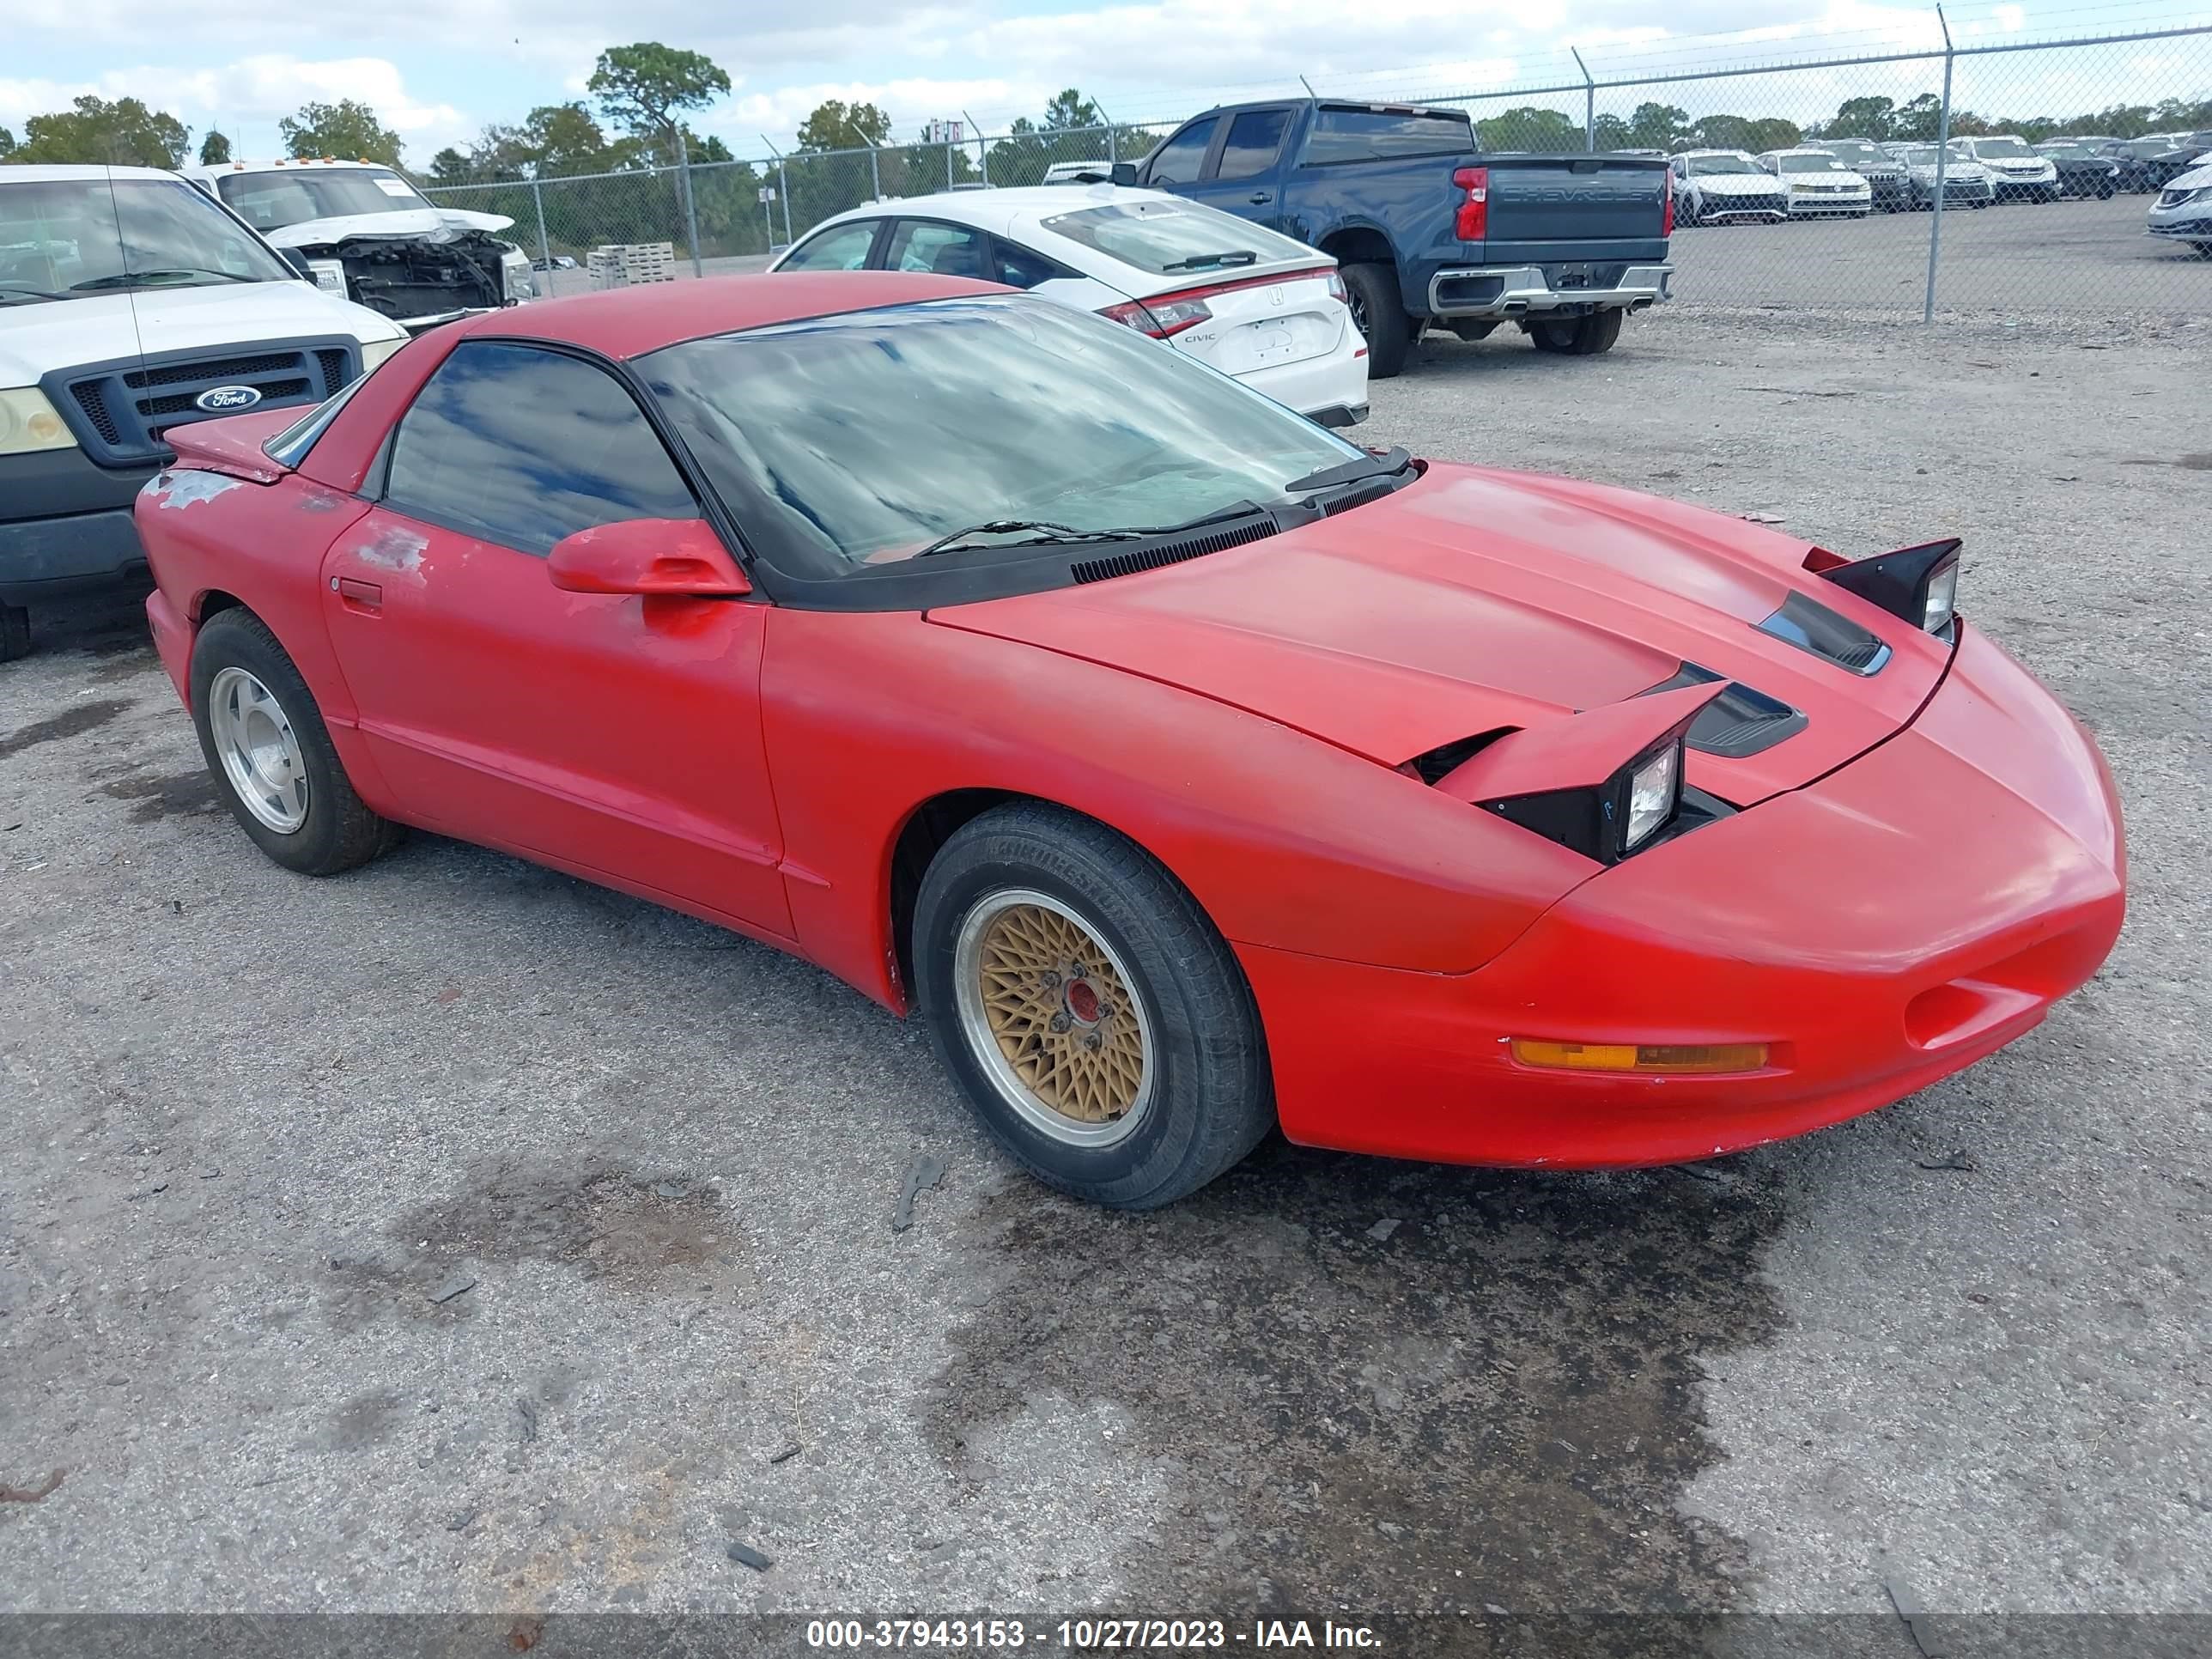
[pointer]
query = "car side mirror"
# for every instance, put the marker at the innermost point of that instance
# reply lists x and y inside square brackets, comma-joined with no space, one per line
[298,261]
[1123,173]
[681,556]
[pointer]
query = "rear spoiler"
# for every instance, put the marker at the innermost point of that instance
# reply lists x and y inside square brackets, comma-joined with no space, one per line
[232,445]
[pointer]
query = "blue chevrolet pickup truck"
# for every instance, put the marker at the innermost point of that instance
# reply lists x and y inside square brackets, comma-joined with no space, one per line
[1428,228]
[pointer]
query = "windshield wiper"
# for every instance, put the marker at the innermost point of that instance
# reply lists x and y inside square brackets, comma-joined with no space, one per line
[1035,532]
[1235,256]
[1060,535]
[133,278]
[24,291]
[1358,470]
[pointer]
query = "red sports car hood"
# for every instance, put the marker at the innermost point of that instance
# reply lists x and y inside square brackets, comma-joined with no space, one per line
[1476,599]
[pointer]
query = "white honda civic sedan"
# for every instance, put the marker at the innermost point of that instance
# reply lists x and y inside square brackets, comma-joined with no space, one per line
[1246,301]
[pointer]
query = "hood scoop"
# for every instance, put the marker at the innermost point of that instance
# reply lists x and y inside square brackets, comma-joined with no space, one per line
[1740,722]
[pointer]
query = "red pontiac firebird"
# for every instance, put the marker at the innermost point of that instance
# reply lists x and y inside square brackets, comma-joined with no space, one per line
[1189,770]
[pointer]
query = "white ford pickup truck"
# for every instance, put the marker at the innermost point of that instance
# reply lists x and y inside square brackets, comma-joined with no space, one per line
[131,303]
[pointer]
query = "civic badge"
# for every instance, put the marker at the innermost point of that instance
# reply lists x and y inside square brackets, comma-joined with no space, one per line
[217,399]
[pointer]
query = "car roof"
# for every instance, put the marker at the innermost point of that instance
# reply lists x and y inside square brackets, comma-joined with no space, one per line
[290,164]
[628,322]
[999,211]
[56,173]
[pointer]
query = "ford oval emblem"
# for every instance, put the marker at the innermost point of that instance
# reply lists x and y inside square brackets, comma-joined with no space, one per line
[216,399]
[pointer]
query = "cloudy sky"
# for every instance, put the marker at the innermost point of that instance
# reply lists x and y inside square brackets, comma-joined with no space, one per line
[437,71]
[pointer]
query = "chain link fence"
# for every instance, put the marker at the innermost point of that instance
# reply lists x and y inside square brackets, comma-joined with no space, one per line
[2069,237]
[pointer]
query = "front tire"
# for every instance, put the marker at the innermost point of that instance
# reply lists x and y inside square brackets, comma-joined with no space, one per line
[1379,313]
[1097,1021]
[270,755]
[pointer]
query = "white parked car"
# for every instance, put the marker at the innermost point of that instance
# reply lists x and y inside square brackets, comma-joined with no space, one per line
[1818,184]
[1966,184]
[2183,211]
[130,304]
[1714,186]
[371,236]
[2020,174]
[1073,173]
[1242,299]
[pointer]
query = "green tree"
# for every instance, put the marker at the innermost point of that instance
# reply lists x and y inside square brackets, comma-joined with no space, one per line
[214,149]
[1069,109]
[1612,133]
[1527,127]
[124,133]
[348,129]
[1657,126]
[563,138]
[7,142]
[1772,132]
[836,124]
[449,167]
[1864,117]
[645,87]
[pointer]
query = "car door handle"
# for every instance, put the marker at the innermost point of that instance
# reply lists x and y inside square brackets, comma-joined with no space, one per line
[1260,197]
[357,595]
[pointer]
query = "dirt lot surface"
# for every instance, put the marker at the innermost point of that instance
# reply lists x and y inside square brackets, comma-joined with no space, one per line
[260,1129]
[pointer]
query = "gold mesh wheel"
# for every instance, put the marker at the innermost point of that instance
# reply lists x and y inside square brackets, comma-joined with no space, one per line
[1051,1014]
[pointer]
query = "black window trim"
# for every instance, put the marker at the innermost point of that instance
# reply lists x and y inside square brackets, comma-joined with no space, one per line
[1220,117]
[710,505]
[1221,145]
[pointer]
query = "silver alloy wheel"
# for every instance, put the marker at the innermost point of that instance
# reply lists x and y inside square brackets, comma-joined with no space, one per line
[259,751]
[1054,1018]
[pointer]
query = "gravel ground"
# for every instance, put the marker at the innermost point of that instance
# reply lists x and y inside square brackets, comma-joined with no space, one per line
[264,1129]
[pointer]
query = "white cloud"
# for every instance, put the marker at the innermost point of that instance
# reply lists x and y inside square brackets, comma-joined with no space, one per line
[251,94]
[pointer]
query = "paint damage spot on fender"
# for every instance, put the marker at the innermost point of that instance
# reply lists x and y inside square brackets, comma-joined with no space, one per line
[184,487]
[394,547]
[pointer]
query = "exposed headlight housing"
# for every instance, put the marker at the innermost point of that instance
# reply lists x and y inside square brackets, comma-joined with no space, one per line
[1920,584]
[29,423]
[1618,817]
[328,274]
[1654,790]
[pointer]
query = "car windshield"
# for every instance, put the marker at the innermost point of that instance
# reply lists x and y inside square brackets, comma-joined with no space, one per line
[70,239]
[2070,151]
[1167,237]
[1924,157]
[862,438]
[2009,148]
[272,200]
[1809,161]
[1860,151]
[1702,164]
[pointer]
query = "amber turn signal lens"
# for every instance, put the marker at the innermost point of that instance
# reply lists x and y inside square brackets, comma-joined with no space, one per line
[1663,1057]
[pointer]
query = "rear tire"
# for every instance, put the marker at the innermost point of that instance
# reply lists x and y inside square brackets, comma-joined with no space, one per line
[1379,311]
[1032,920]
[15,632]
[1579,337]
[272,755]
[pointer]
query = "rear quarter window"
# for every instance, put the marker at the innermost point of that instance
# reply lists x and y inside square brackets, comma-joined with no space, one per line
[1341,135]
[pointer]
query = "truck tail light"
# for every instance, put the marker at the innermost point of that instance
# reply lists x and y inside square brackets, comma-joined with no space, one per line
[1667,195]
[1473,219]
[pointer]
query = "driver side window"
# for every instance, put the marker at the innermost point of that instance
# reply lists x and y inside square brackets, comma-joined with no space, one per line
[520,445]
[1182,156]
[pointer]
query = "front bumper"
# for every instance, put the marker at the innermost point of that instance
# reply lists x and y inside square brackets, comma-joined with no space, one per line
[68,522]
[1518,290]
[1987,837]
[1810,207]
[2193,225]
[1773,210]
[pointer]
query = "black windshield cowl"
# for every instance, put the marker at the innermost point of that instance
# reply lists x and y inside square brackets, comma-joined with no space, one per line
[155,278]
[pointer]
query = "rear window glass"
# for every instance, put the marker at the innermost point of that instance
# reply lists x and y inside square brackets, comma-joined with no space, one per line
[1374,135]
[1172,239]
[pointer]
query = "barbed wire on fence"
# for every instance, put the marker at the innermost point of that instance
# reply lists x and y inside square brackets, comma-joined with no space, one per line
[2088,255]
